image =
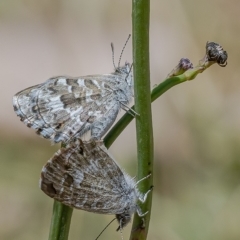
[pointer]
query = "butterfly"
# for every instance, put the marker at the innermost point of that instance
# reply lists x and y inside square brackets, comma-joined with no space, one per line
[64,108]
[84,176]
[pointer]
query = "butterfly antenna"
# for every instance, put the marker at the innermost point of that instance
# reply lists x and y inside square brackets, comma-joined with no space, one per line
[112,46]
[123,49]
[105,229]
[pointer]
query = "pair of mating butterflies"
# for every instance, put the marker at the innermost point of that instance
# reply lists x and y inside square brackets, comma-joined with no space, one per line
[83,175]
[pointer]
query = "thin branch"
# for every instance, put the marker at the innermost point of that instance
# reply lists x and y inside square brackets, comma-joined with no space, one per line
[167,84]
[60,223]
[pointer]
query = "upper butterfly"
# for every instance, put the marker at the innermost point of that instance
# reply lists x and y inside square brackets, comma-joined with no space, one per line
[63,108]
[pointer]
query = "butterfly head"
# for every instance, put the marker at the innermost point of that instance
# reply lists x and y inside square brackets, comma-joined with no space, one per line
[123,219]
[126,72]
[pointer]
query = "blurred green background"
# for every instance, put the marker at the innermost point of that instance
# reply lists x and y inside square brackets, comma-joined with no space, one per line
[196,124]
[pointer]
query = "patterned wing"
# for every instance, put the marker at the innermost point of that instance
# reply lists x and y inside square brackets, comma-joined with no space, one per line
[63,108]
[84,176]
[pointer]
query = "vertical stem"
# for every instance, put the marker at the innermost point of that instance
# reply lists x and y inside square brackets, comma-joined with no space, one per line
[142,92]
[61,220]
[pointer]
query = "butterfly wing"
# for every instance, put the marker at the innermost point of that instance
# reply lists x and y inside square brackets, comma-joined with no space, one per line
[84,176]
[64,107]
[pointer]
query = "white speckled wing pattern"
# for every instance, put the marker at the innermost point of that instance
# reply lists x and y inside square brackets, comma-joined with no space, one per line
[84,176]
[64,108]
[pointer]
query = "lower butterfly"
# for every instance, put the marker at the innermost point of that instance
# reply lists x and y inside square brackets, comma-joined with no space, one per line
[84,176]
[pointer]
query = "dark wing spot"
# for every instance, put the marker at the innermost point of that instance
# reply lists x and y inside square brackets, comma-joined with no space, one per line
[87,205]
[80,151]
[53,90]
[35,109]
[77,89]
[71,100]
[48,187]
[58,126]
[96,96]
[100,205]
[15,108]
[91,119]
[89,84]
[68,99]
[68,179]
[39,131]
[72,82]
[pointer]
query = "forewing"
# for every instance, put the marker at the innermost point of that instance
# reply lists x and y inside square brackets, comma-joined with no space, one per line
[84,176]
[63,107]
[24,100]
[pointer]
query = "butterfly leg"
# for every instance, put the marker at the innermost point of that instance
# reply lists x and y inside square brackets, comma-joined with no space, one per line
[143,197]
[143,179]
[140,213]
[129,110]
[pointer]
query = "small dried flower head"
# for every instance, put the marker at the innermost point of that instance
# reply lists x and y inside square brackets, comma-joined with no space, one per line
[216,54]
[185,64]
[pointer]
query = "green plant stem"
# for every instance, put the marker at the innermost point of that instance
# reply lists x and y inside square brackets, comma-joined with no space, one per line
[144,131]
[61,220]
